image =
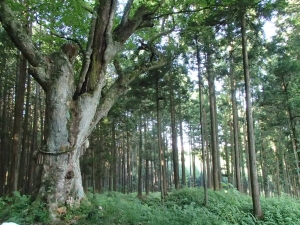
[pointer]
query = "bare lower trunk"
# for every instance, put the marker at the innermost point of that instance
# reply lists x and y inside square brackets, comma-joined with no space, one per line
[61,180]
[66,129]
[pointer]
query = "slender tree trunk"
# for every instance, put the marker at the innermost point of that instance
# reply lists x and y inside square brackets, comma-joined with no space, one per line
[235,130]
[93,175]
[114,158]
[278,186]
[250,130]
[264,166]
[140,162]
[208,151]
[246,168]
[23,171]
[147,158]
[18,117]
[285,176]
[4,136]
[213,119]
[232,176]
[124,182]
[155,163]
[203,125]
[174,136]
[128,160]
[226,148]
[294,141]
[183,176]
[160,148]
[119,168]
[101,157]
[32,158]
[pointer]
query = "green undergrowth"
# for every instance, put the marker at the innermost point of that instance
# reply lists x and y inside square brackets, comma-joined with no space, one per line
[181,207]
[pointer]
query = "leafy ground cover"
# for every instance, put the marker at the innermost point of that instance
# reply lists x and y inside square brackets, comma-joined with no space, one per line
[181,207]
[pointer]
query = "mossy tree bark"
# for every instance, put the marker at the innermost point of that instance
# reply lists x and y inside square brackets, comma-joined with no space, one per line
[73,108]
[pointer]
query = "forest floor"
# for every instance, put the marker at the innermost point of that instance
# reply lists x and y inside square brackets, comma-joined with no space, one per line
[181,207]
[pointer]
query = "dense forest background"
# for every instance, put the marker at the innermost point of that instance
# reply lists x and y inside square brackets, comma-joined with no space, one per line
[222,113]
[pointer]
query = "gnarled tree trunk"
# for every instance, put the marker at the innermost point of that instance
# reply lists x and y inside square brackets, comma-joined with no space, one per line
[67,128]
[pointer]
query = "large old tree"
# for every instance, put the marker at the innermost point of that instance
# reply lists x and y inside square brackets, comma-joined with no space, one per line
[75,104]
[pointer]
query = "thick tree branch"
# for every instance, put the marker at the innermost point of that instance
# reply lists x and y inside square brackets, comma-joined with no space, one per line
[140,18]
[111,18]
[87,54]
[125,16]
[19,35]
[101,47]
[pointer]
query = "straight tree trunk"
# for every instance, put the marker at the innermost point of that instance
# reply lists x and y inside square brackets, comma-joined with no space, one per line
[128,160]
[163,187]
[114,158]
[250,130]
[214,126]
[294,141]
[190,153]
[174,136]
[23,171]
[119,167]
[292,127]
[4,136]
[183,176]
[147,158]
[235,130]
[226,149]
[232,176]
[194,170]
[124,182]
[264,166]
[208,155]
[155,164]
[140,155]
[277,156]
[32,159]
[18,121]
[285,176]
[246,168]
[203,125]
[101,157]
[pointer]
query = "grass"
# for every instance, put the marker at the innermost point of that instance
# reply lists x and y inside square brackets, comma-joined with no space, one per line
[182,207]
